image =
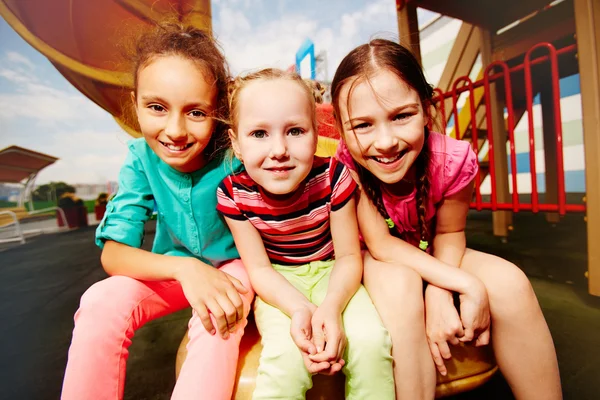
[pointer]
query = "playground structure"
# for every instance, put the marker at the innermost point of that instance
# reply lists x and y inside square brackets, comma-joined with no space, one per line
[95,68]
[21,166]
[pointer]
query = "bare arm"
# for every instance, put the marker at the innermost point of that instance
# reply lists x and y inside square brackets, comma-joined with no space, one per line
[385,247]
[121,259]
[449,242]
[269,284]
[347,270]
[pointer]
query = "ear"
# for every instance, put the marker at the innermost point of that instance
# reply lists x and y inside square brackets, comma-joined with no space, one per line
[234,143]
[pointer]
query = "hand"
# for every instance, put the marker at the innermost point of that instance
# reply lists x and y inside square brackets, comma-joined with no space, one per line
[475,314]
[329,338]
[443,325]
[210,291]
[301,332]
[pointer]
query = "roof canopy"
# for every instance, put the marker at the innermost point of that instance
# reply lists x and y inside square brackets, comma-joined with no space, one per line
[17,163]
[87,40]
[490,14]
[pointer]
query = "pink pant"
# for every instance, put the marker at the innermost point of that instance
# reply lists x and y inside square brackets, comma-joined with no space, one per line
[110,312]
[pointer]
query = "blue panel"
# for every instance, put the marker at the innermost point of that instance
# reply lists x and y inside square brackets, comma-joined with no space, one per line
[574,182]
[307,49]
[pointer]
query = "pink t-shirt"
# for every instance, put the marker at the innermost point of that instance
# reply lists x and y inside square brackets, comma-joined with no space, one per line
[453,164]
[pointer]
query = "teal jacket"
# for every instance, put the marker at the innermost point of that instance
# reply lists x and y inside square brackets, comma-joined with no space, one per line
[188,222]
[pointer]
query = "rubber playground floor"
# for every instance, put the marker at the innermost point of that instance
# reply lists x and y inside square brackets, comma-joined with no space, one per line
[41,283]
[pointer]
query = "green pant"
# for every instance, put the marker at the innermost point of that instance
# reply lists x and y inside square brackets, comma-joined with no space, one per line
[281,372]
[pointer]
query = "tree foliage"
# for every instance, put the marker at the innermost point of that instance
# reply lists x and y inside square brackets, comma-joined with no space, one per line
[51,191]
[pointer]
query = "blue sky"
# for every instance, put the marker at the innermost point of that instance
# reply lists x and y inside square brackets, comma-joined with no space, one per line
[40,110]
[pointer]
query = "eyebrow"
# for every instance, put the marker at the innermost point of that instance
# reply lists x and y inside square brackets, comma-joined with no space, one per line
[393,111]
[158,99]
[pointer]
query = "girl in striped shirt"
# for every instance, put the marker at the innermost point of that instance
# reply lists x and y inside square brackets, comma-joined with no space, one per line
[293,219]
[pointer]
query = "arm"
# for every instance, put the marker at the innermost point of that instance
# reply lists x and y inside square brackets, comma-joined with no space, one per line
[449,242]
[346,274]
[385,247]
[348,268]
[274,289]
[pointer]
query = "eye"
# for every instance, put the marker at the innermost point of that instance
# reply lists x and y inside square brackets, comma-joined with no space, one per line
[156,107]
[295,132]
[197,113]
[258,134]
[402,116]
[360,126]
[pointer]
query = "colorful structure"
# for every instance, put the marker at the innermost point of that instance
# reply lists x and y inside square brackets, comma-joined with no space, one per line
[513,63]
[91,52]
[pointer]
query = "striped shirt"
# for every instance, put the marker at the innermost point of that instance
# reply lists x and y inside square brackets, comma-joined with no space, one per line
[294,230]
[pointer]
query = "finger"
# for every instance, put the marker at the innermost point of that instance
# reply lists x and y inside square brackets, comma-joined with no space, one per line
[483,339]
[237,302]
[229,310]
[238,285]
[315,368]
[318,337]
[302,342]
[437,358]
[453,340]
[460,332]
[219,315]
[204,316]
[468,336]
[444,350]
[332,346]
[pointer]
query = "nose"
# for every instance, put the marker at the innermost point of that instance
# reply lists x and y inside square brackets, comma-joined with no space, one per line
[279,147]
[385,139]
[175,128]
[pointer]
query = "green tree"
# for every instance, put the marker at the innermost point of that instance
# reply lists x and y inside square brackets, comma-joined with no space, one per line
[52,190]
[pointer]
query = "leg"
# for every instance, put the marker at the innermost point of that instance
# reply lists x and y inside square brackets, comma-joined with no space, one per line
[210,367]
[281,370]
[397,293]
[109,313]
[522,342]
[369,366]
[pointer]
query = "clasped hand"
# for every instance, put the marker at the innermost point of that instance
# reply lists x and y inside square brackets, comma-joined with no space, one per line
[319,334]
[445,326]
[213,292]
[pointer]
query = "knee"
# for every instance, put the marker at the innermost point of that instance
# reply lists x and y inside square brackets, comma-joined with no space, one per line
[371,342]
[511,292]
[402,286]
[103,298]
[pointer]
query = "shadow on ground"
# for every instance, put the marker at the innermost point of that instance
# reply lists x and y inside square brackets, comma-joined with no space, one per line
[41,283]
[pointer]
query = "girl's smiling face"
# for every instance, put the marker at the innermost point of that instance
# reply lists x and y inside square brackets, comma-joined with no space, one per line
[275,135]
[383,123]
[174,104]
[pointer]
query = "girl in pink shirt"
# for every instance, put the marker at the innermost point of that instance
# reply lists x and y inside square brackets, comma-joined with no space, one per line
[415,189]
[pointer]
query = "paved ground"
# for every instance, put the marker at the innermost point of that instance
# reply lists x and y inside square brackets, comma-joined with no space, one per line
[41,283]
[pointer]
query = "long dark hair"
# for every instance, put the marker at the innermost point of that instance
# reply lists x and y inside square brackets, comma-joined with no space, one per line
[362,63]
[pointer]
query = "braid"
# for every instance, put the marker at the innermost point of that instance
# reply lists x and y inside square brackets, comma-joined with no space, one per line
[422,184]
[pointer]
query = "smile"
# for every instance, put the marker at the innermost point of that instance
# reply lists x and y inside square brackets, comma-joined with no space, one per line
[173,147]
[391,159]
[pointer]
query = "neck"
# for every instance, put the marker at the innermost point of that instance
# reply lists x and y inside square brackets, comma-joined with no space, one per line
[405,186]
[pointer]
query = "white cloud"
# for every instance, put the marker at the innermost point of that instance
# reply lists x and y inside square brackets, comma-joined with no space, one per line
[250,45]
[59,121]
[18,58]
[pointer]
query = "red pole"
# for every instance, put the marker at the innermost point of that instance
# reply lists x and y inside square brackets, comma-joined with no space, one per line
[529,104]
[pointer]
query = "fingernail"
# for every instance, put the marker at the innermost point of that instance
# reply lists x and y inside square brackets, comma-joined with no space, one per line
[212,332]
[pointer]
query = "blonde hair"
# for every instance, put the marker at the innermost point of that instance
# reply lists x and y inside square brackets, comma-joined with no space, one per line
[314,90]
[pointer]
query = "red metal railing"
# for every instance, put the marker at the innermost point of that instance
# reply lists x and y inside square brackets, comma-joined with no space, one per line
[505,78]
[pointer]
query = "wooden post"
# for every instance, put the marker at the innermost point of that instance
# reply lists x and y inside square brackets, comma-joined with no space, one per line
[587,25]
[408,27]
[501,219]
[549,150]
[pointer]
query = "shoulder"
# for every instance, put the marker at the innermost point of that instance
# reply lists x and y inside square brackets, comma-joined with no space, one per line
[454,162]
